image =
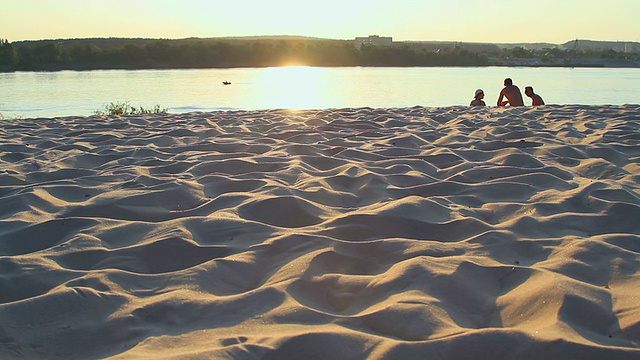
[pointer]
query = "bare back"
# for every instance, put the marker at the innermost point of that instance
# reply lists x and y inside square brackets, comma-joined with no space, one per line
[513,95]
[536,100]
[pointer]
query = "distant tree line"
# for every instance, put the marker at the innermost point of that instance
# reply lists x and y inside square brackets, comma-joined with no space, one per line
[154,54]
[87,54]
[558,53]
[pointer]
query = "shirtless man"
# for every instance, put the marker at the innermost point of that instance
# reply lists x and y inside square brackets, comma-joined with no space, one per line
[535,98]
[512,93]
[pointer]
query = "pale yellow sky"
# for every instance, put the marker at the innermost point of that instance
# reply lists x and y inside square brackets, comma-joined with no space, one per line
[554,21]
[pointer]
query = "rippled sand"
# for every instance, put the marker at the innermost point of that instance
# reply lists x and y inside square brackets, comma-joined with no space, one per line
[412,233]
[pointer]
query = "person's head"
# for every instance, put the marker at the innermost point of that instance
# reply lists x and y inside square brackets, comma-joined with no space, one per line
[479,94]
[528,90]
[508,82]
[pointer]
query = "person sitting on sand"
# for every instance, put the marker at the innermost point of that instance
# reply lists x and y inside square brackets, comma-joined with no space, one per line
[477,101]
[512,93]
[535,98]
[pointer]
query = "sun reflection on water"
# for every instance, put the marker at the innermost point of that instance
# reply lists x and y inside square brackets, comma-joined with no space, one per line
[295,87]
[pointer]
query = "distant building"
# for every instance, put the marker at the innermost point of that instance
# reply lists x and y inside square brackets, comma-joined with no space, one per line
[631,47]
[373,40]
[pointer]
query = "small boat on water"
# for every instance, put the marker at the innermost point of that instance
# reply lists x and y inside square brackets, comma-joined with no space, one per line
[226,83]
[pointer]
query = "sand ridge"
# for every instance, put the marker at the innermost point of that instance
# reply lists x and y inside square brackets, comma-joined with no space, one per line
[444,233]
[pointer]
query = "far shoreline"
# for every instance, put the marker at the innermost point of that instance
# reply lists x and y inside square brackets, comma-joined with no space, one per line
[134,68]
[275,51]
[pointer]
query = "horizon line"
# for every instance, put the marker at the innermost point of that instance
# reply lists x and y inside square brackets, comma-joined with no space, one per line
[310,37]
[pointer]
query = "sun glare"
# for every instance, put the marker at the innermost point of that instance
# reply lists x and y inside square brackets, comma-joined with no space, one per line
[296,87]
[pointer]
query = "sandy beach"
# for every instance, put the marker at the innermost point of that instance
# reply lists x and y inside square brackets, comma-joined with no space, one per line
[408,233]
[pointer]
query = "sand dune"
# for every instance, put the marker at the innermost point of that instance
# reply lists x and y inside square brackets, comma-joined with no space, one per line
[413,233]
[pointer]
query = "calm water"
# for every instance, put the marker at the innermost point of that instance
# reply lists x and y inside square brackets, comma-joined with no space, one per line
[66,93]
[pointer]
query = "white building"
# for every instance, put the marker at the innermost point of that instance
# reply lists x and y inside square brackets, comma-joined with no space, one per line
[373,40]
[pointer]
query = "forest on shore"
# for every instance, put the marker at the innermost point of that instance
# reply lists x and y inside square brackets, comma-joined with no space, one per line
[118,53]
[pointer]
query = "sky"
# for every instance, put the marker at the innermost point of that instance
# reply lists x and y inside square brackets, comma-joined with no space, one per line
[513,21]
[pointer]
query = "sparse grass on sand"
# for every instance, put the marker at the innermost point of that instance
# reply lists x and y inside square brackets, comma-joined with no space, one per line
[125,108]
[2,117]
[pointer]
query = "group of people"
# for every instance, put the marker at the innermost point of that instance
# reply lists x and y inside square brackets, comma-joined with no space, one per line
[512,95]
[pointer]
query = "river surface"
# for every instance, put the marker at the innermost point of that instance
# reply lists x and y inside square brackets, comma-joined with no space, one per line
[72,93]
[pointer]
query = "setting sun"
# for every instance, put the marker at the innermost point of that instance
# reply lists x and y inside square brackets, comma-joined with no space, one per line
[333,179]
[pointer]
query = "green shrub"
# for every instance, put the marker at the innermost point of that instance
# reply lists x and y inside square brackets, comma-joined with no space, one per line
[124,108]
